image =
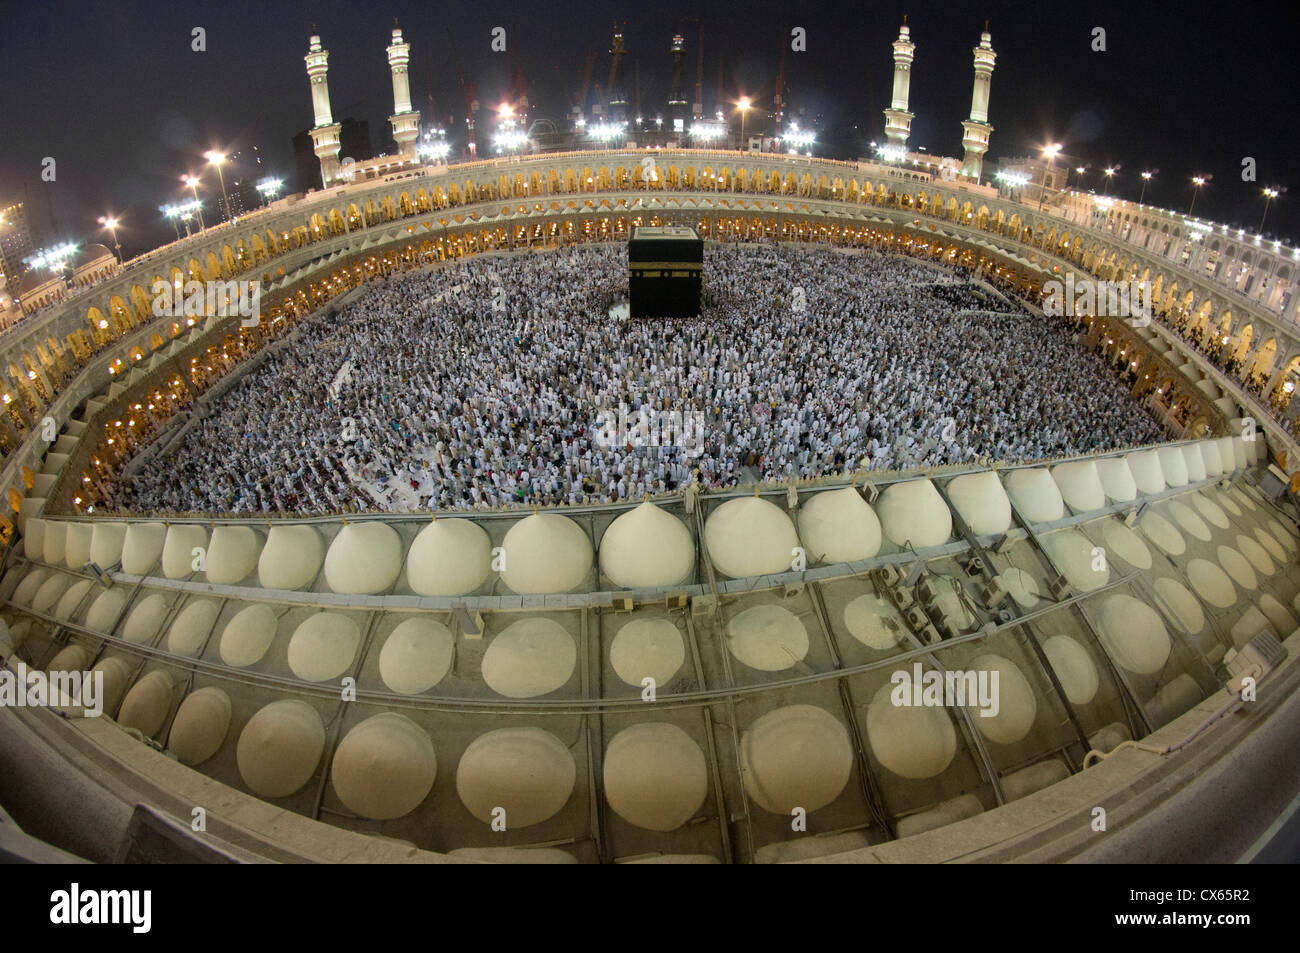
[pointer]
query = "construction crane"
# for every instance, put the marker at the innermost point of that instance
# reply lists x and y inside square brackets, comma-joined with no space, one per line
[471,96]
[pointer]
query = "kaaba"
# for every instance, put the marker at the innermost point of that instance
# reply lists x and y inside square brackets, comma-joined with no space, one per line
[665,272]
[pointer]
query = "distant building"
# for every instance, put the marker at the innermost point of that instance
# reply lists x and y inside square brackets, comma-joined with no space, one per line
[15,243]
[354,137]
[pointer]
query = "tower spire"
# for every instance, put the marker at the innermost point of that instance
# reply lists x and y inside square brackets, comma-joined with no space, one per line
[405,121]
[977,129]
[898,121]
[325,134]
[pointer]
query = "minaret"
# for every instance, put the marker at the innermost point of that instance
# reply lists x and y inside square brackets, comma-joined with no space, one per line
[325,134]
[898,121]
[977,128]
[405,121]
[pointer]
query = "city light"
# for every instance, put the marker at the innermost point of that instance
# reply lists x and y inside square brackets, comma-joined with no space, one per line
[270,188]
[799,138]
[707,131]
[52,258]
[608,131]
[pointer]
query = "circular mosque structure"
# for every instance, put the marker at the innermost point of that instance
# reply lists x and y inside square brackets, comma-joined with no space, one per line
[423,607]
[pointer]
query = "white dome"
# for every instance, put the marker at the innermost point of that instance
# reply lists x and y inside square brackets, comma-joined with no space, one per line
[1020,585]
[1212,512]
[1126,544]
[1186,517]
[55,543]
[655,776]
[1162,532]
[981,501]
[527,772]
[232,554]
[1133,634]
[323,646]
[105,610]
[364,558]
[865,617]
[1257,555]
[384,767]
[1179,606]
[178,550]
[796,756]
[838,526]
[71,658]
[248,635]
[1211,583]
[1226,501]
[1117,479]
[191,627]
[1080,485]
[1173,466]
[291,557]
[146,618]
[449,557]
[50,590]
[531,657]
[1074,668]
[1147,474]
[546,553]
[1239,452]
[647,548]
[280,748]
[768,637]
[1212,458]
[912,741]
[416,655]
[1035,494]
[1238,567]
[914,511]
[142,547]
[106,544]
[77,551]
[71,599]
[1279,617]
[117,672]
[1275,549]
[200,726]
[35,579]
[1251,624]
[1017,707]
[1073,553]
[1227,454]
[749,536]
[34,538]
[146,705]
[1194,461]
[647,648]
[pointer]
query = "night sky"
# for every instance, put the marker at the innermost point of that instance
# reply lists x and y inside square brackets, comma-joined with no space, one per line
[115,94]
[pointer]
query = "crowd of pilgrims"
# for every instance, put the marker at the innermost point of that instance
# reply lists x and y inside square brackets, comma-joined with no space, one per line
[483,383]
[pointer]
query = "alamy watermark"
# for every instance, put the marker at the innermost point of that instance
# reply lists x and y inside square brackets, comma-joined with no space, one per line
[651,428]
[952,689]
[32,688]
[197,299]
[1104,299]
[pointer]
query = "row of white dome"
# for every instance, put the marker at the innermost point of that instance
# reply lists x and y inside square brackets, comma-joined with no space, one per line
[645,547]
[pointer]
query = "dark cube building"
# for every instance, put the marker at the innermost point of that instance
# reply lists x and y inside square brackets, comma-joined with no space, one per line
[665,272]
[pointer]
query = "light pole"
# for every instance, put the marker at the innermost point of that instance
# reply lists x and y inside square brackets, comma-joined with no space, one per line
[1051,153]
[743,105]
[1146,177]
[1197,182]
[219,159]
[1270,194]
[1110,170]
[193,183]
[110,223]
